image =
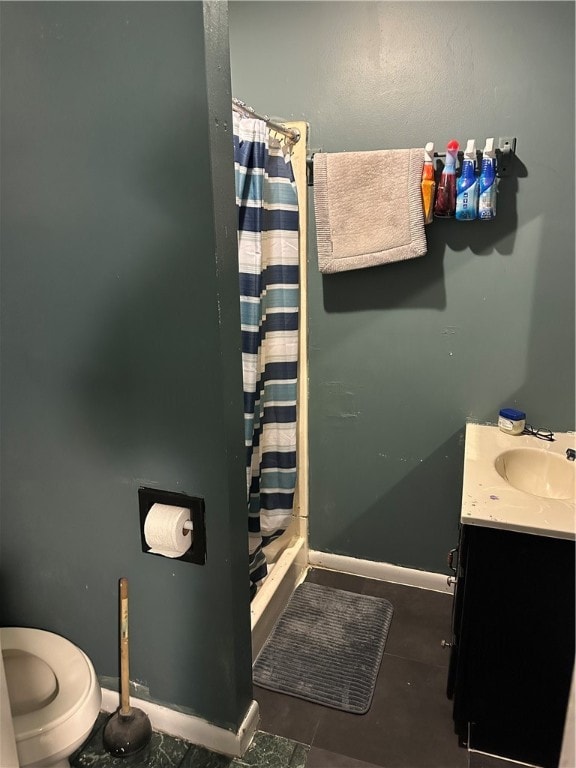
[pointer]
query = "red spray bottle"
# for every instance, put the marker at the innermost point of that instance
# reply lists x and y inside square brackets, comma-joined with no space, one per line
[445,204]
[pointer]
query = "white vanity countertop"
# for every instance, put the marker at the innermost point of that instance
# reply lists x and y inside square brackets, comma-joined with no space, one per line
[489,500]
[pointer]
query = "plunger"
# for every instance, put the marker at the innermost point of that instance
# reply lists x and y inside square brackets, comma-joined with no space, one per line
[129,729]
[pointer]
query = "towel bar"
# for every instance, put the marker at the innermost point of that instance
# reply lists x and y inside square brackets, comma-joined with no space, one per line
[504,151]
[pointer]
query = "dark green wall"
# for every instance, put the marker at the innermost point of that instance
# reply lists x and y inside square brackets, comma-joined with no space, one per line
[120,339]
[402,355]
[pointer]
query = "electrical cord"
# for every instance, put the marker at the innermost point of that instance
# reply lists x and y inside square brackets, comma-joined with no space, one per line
[541,434]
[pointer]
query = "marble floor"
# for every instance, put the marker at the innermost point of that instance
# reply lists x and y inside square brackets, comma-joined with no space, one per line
[266,751]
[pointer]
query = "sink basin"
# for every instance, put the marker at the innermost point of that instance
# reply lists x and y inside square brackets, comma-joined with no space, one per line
[538,472]
[519,483]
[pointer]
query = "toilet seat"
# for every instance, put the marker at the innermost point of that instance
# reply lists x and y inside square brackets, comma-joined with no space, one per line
[73,671]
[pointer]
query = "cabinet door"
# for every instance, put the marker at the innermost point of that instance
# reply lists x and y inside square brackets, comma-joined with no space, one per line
[516,649]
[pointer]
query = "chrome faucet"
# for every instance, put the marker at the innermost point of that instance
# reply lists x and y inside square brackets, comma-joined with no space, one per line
[571,454]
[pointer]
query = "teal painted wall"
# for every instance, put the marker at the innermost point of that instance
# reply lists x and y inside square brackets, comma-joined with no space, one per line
[402,355]
[121,339]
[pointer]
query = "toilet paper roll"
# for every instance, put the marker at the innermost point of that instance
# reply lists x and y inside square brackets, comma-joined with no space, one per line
[164,530]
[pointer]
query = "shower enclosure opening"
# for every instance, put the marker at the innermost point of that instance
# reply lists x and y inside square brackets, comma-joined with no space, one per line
[270,175]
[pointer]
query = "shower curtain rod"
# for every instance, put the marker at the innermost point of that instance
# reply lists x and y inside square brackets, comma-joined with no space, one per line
[244,109]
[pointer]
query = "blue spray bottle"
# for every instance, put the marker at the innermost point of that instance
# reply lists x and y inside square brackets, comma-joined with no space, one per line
[488,183]
[467,185]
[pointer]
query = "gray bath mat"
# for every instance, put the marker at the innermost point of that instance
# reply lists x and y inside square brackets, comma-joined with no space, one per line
[326,647]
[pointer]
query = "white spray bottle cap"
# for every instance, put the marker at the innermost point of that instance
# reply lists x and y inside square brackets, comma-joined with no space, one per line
[489,148]
[470,151]
[429,152]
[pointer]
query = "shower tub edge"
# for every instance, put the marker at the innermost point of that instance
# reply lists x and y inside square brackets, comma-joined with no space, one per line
[289,570]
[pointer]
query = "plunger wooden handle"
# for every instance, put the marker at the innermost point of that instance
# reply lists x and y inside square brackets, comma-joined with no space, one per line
[124,654]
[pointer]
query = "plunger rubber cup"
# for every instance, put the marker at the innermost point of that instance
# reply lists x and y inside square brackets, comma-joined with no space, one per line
[126,734]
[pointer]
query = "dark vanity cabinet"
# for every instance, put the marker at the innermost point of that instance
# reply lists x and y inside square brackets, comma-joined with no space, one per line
[512,650]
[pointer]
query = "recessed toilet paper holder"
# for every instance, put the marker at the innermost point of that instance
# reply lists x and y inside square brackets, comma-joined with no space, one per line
[147,497]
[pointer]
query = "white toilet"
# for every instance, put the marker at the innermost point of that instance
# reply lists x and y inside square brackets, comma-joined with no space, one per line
[54,695]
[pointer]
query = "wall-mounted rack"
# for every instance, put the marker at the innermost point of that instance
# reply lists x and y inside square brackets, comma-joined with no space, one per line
[505,149]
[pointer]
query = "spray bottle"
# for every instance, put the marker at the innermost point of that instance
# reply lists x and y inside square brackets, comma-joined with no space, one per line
[488,183]
[445,204]
[428,184]
[467,185]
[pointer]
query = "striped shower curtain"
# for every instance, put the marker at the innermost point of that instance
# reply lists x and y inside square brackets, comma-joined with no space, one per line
[267,205]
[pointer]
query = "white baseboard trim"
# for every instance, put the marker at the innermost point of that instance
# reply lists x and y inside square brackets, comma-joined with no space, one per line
[370,569]
[192,728]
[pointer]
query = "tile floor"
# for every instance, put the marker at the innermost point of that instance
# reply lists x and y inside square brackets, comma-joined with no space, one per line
[409,724]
